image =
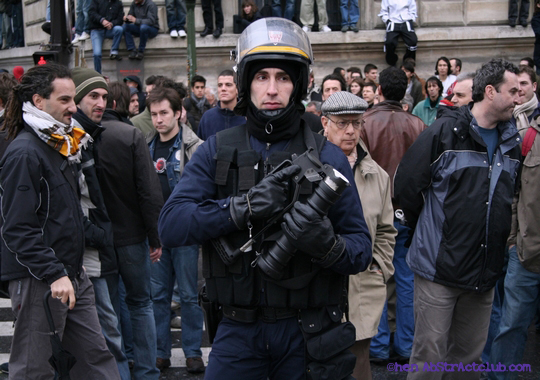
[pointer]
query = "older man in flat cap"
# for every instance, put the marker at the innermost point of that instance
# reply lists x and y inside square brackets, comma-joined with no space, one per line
[342,121]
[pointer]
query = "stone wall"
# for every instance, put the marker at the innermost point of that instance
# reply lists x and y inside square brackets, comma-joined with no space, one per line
[473,30]
[431,13]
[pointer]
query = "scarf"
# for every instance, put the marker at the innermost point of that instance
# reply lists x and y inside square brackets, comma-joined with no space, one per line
[61,137]
[521,111]
[271,129]
[199,103]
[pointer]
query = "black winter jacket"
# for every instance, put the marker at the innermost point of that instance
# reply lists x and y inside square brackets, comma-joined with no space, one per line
[129,182]
[110,10]
[460,205]
[42,231]
[194,115]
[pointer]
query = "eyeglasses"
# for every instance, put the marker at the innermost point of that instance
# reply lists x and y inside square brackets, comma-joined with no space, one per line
[342,124]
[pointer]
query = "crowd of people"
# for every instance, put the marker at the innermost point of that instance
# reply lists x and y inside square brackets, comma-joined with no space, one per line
[320,212]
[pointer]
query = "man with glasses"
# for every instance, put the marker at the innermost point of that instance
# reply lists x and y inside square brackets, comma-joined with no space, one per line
[342,121]
[388,128]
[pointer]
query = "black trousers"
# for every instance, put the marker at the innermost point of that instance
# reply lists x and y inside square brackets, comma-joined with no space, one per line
[523,11]
[207,13]
[406,31]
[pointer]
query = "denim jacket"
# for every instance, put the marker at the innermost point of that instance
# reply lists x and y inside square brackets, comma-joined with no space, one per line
[186,143]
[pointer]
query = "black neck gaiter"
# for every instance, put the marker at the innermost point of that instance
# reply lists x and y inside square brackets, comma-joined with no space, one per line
[273,128]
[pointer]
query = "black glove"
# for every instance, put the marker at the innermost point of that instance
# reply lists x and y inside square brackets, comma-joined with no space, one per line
[264,199]
[313,234]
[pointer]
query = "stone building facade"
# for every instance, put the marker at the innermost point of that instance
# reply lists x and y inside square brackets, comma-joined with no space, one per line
[472,30]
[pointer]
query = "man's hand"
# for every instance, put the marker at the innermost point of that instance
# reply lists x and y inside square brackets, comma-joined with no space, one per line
[155,254]
[131,18]
[313,234]
[63,289]
[308,231]
[264,199]
[107,24]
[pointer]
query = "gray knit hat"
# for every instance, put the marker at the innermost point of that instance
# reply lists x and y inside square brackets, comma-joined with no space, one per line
[85,81]
[343,103]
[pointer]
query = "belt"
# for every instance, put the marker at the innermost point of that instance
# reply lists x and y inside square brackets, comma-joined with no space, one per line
[265,313]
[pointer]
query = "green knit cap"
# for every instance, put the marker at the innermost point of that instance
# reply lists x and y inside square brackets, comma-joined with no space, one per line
[85,81]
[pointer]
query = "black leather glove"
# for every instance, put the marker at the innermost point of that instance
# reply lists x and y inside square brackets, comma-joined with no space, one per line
[313,234]
[264,199]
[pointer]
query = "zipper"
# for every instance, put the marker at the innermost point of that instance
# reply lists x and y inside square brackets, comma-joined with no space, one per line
[485,246]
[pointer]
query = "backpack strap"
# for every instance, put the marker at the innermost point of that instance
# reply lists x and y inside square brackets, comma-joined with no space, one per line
[528,141]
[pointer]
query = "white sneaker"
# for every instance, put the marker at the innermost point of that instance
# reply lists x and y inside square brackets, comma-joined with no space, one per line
[174,33]
[84,36]
[76,38]
[306,29]
[182,33]
[326,29]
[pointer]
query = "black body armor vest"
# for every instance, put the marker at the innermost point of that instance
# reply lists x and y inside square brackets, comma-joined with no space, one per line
[305,285]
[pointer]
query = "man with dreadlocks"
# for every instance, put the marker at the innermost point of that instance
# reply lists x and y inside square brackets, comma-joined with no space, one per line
[232,188]
[43,230]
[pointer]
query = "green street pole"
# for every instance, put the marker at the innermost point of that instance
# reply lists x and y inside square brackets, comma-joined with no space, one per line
[191,48]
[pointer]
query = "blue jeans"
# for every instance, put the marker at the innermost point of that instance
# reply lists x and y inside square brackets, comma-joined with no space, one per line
[182,262]
[18,27]
[521,299]
[82,20]
[98,35]
[289,9]
[124,319]
[350,13]
[134,267]
[143,31]
[7,33]
[404,277]
[176,14]
[109,325]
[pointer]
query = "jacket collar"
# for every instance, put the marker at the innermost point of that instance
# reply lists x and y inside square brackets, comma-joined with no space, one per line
[367,166]
[224,111]
[466,125]
[387,105]
[111,114]
[427,103]
[84,122]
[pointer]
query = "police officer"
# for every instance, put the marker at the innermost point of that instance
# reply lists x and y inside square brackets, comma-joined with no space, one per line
[281,296]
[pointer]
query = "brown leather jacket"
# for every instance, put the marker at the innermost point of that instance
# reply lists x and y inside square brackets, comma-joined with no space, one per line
[388,132]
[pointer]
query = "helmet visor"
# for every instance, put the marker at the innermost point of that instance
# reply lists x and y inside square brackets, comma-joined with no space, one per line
[274,35]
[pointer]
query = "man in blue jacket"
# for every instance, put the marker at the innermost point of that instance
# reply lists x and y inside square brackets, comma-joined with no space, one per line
[455,185]
[294,269]
[222,117]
